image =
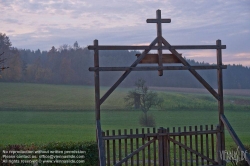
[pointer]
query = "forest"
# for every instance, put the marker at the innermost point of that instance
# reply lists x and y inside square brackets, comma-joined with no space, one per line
[68,64]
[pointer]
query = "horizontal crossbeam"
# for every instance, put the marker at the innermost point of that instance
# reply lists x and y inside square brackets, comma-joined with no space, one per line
[147,68]
[183,47]
[166,20]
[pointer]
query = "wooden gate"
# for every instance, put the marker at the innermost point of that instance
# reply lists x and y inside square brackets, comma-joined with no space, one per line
[148,146]
[168,142]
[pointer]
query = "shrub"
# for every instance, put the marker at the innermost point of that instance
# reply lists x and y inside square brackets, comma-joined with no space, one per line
[91,155]
[146,120]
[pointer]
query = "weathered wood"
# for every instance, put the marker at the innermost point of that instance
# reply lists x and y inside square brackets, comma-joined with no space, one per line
[131,148]
[218,146]
[114,149]
[220,94]
[108,149]
[154,148]
[196,146]
[202,148]
[172,47]
[212,142]
[174,148]
[135,152]
[153,58]
[143,151]
[191,146]
[156,20]
[126,147]
[185,143]
[180,150]
[207,144]
[195,152]
[147,68]
[165,148]
[235,137]
[120,145]
[149,155]
[104,146]
[160,148]
[126,73]
[101,149]
[137,146]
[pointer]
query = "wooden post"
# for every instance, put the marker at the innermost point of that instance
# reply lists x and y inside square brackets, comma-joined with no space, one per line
[220,94]
[159,34]
[160,147]
[97,108]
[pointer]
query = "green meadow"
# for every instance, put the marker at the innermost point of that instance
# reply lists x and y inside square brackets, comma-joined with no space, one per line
[41,113]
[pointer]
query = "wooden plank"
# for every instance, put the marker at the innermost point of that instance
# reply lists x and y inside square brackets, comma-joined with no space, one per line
[166,20]
[161,134]
[154,148]
[202,145]
[125,147]
[149,155]
[185,143]
[173,47]
[126,73]
[168,148]
[131,148]
[212,143]
[196,75]
[104,146]
[108,149]
[120,145]
[160,148]
[195,152]
[147,68]
[207,144]
[191,146]
[196,146]
[114,149]
[218,146]
[235,137]
[180,150]
[153,58]
[101,147]
[143,151]
[135,152]
[159,35]
[174,148]
[137,146]
[220,93]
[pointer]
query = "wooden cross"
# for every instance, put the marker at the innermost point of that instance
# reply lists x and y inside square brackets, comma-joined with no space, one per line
[158,22]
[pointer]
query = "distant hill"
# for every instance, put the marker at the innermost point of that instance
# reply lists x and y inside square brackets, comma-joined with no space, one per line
[69,65]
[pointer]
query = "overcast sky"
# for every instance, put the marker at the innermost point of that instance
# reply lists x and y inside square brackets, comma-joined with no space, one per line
[33,24]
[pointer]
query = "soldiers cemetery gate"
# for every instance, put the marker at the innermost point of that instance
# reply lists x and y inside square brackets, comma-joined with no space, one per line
[198,145]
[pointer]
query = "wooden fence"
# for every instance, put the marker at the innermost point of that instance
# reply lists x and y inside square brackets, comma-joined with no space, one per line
[164,147]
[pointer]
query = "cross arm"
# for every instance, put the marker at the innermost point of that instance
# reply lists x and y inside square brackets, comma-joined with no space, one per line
[156,20]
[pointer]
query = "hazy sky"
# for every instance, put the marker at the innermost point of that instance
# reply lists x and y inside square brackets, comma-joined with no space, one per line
[33,24]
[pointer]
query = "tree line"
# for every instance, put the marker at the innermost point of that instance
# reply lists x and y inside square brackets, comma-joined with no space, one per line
[69,65]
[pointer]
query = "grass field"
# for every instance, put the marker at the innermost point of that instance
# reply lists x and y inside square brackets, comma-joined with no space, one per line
[39,113]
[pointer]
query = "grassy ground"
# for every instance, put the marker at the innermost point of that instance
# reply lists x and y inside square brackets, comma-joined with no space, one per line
[38,113]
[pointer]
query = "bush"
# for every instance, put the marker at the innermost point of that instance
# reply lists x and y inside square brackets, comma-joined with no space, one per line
[147,120]
[91,155]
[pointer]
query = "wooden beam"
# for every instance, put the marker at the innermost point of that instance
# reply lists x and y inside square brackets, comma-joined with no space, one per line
[126,73]
[196,75]
[151,68]
[193,151]
[235,137]
[153,58]
[164,20]
[135,152]
[101,147]
[177,47]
